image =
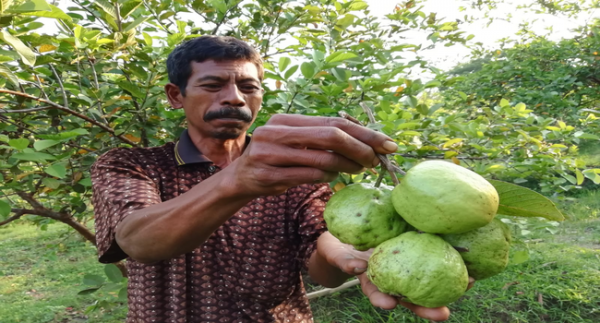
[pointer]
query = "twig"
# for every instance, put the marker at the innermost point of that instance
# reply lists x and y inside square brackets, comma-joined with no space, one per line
[77,114]
[37,78]
[329,291]
[386,164]
[60,83]
[382,158]
[26,110]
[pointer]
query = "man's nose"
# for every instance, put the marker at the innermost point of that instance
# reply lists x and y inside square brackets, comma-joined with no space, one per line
[231,96]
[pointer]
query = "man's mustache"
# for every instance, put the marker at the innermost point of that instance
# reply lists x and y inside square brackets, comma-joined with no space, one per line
[229,112]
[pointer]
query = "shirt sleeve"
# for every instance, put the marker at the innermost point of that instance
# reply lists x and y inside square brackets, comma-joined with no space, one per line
[311,222]
[119,186]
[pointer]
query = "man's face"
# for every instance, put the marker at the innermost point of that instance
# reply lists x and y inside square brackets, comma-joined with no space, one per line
[221,99]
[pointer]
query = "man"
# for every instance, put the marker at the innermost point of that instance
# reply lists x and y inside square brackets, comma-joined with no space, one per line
[218,227]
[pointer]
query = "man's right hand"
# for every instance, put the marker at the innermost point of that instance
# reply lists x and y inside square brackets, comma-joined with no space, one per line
[294,149]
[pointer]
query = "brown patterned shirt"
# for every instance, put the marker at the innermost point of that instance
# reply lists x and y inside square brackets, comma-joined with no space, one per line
[249,270]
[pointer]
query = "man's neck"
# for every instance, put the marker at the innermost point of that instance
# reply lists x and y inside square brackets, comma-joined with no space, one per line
[221,151]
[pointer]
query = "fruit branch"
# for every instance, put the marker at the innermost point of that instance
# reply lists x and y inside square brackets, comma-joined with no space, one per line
[386,165]
[69,111]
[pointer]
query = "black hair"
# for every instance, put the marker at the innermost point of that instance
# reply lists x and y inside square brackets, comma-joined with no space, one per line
[218,48]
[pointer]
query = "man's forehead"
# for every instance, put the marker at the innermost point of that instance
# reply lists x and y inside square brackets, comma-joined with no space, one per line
[225,69]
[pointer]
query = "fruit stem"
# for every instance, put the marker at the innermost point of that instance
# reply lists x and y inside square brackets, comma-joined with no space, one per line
[386,164]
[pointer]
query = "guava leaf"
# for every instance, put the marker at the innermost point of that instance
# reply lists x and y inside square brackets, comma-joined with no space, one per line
[113,273]
[520,201]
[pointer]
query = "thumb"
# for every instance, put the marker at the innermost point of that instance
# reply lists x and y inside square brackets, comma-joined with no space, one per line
[350,264]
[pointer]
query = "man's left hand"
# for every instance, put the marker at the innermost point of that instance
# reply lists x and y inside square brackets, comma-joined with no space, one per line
[354,263]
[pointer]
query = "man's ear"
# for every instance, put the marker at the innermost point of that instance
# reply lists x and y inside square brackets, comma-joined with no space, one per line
[174,95]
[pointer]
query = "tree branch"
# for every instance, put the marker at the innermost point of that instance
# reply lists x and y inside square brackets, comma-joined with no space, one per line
[67,110]
[18,214]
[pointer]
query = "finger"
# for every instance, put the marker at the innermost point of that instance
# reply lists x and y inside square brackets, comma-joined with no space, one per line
[377,298]
[350,264]
[471,283]
[283,178]
[437,314]
[378,141]
[321,159]
[319,138]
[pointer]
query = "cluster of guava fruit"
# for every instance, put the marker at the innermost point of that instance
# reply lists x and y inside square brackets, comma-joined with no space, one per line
[430,233]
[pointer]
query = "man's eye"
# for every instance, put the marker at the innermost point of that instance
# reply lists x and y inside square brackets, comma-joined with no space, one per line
[249,88]
[211,86]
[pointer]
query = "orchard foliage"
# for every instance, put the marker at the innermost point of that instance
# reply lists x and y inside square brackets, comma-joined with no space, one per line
[81,80]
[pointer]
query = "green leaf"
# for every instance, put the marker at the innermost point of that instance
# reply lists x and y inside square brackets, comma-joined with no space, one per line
[593,174]
[129,7]
[88,291]
[56,13]
[504,103]
[132,89]
[4,208]
[50,182]
[463,95]
[43,144]
[108,7]
[339,57]
[93,280]
[290,72]
[284,62]
[308,70]
[123,294]
[25,52]
[56,170]
[147,39]
[19,144]
[431,84]
[29,6]
[423,109]
[8,74]
[520,201]
[113,273]
[220,5]
[175,39]
[451,142]
[519,257]
[86,182]
[135,23]
[65,135]
[580,177]
[5,4]
[33,156]
[589,136]
[358,5]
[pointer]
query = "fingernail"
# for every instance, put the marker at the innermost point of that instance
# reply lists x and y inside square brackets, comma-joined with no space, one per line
[390,146]
[359,270]
[348,256]
[376,161]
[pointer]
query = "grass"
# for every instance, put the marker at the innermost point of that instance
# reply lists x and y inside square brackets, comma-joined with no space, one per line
[41,273]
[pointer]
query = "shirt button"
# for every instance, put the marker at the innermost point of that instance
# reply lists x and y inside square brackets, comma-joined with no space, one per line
[211,168]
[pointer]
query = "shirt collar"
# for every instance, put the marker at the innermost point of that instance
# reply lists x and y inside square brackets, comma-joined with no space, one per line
[187,153]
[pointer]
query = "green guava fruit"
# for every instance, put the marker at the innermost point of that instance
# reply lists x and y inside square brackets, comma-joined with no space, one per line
[363,215]
[484,250]
[420,267]
[442,197]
